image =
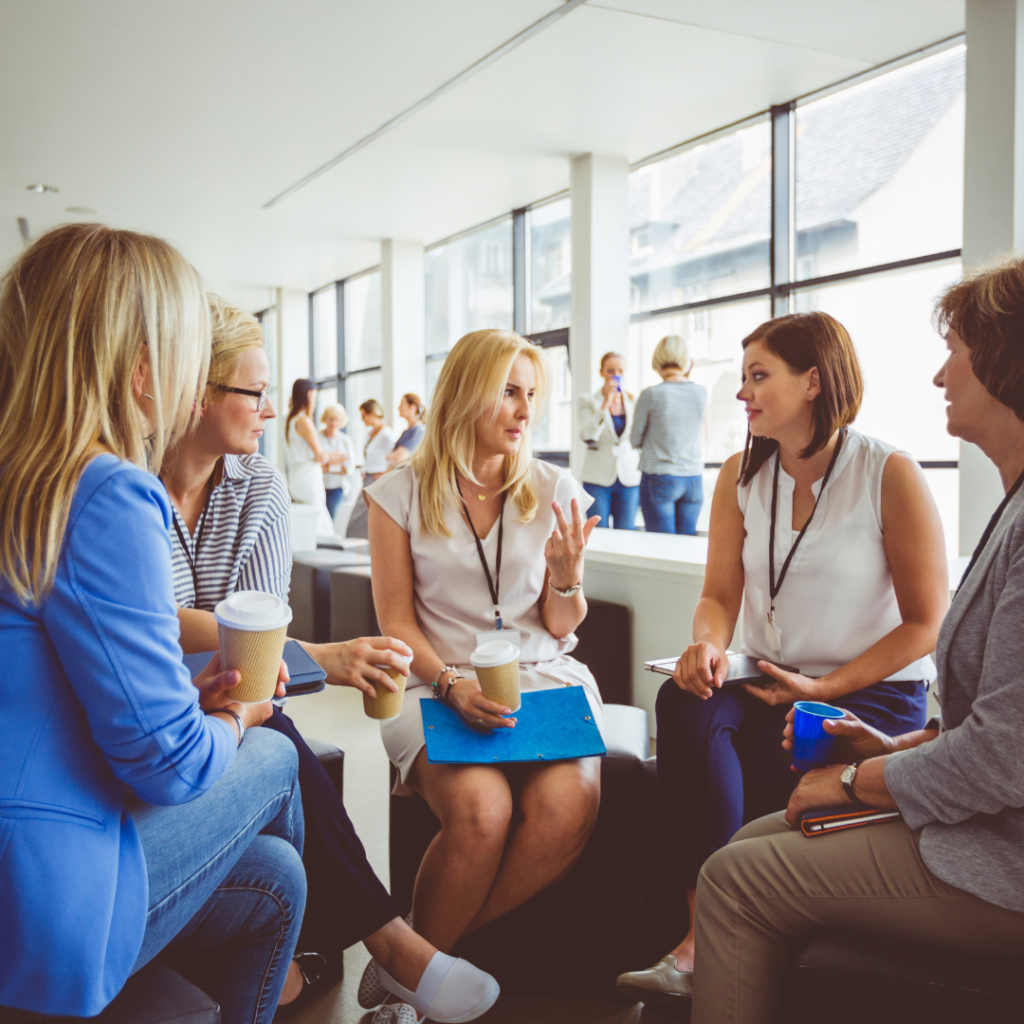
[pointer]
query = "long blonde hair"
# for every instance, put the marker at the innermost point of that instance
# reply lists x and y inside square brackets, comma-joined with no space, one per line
[471,385]
[79,310]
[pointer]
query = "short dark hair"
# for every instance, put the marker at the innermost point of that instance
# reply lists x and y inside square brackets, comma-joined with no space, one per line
[987,310]
[805,340]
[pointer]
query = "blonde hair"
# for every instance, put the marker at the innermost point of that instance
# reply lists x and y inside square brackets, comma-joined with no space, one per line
[672,350]
[411,398]
[471,385]
[372,408]
[235,332]
[335,410]
[80,309]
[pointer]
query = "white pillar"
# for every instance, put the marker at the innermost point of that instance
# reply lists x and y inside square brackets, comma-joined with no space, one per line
[600,270]
[993,195]
[403,324]
[293,351]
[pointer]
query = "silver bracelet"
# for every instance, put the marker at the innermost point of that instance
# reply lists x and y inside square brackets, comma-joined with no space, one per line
[435,686]
[569,591]
[236,717]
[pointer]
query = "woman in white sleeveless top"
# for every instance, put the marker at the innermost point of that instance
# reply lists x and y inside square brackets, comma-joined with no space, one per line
[304,456]
[506,831]
[855,601]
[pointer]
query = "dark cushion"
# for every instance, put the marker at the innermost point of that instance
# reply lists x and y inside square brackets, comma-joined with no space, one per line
[606,648]
[332,757]
[351,606]
[155,995]
[578,935]
[310,591]
[849,978]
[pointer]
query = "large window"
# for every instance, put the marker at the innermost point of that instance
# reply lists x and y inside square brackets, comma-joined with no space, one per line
[700,221]
[549,265]
[880,169]
[469,285]
[866,187]
[362,322]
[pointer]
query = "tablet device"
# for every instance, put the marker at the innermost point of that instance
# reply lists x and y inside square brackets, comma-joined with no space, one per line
[822,820]
[306,675]
[741,669]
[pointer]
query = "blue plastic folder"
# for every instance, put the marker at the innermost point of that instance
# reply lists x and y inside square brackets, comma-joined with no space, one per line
[552,725]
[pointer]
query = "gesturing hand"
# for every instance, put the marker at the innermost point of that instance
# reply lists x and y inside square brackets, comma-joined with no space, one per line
[701,667]
[564,549]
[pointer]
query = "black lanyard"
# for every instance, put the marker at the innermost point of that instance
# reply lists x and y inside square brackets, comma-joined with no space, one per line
[199,539]
[988,532]
[493,585]
[774,587]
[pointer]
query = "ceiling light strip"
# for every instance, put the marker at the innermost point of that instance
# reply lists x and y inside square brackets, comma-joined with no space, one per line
[506,47]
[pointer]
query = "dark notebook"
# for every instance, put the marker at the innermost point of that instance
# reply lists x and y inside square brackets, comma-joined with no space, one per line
[821,820]
[741,669]
[306,675]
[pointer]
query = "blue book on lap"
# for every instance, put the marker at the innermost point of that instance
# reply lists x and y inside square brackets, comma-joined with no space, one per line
[552,725]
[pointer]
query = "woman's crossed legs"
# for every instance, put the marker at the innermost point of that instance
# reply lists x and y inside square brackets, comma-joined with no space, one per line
[506,833]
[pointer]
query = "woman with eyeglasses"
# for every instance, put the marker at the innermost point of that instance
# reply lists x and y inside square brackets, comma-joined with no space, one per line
[231,531]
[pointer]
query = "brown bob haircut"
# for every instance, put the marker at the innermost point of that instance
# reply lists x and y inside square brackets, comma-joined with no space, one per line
[805,340]
[987,310]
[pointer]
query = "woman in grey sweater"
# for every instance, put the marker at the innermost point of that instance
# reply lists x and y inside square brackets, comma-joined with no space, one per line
[949,872]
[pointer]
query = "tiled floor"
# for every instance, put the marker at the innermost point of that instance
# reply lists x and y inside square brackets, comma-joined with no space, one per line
[337,715]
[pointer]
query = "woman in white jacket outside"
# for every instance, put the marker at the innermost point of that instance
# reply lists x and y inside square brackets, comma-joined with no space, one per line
[611,465]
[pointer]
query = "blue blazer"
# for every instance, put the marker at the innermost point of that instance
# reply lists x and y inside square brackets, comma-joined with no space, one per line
[94,697]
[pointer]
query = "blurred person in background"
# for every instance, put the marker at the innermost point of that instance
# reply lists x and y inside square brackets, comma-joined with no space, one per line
[610,474]
[412,410]
[304,455]
[339,473]
[666,428]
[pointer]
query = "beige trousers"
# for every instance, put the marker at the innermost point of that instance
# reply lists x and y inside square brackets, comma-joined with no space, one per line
[772,885]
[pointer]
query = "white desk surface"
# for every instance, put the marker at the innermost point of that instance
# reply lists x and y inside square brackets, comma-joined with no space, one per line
[659,551]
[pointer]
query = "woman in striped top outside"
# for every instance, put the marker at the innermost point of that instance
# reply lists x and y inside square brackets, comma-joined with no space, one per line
[666,429]
[231,531]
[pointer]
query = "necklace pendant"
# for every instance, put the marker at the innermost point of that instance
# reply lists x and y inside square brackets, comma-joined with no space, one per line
[482,497]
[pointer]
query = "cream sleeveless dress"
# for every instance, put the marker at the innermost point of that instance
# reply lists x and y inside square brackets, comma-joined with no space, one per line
[306,478]
[453,602]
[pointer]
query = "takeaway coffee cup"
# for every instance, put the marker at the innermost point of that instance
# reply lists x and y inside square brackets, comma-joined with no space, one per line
[253,627]
[497,669]
[387,704]
[811,744]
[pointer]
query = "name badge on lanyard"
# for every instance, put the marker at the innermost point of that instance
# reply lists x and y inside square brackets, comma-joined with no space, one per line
[772,631]
[493,584]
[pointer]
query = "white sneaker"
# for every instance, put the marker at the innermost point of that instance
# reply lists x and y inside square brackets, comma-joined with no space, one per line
[450,992]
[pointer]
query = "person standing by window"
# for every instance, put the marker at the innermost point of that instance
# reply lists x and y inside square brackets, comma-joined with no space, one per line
[305,457]
[412,410]
[666,429]
[341,455]
[611,475]
[380,442]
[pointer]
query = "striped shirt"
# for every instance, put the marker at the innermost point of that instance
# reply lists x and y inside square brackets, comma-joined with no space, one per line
[245,542]
[666,428]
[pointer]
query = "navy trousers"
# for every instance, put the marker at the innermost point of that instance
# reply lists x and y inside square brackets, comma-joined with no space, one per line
[721,762]
[345,900]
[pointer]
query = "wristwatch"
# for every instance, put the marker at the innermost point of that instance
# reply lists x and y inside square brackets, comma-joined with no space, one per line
[847,777]
[569,591]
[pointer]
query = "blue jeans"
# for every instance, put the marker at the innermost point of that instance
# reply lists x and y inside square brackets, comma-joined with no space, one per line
[226,883]
[618,501]
[334,497]
[671,504]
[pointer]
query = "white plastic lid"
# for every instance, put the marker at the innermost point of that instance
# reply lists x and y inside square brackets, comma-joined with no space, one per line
[407,658]
[253,610]
[494,652]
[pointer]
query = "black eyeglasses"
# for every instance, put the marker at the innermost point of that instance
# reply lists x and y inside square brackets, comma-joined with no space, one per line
[260,396]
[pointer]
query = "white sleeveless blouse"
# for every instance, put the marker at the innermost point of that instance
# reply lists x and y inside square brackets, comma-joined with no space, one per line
[837,599]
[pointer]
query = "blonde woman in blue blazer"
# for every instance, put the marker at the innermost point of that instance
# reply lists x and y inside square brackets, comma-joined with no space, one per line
[132,815]
[611,465]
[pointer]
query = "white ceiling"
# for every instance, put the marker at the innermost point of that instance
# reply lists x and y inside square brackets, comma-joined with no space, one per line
[183,117]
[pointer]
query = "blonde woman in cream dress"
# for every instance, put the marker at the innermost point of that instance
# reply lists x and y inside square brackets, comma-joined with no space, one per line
[506,832]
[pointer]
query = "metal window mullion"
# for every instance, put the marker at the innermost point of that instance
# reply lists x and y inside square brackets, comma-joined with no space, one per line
[783,240]
[339,300]
[520,297]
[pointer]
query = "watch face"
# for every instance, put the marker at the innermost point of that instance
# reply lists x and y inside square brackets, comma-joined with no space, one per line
[847,774]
